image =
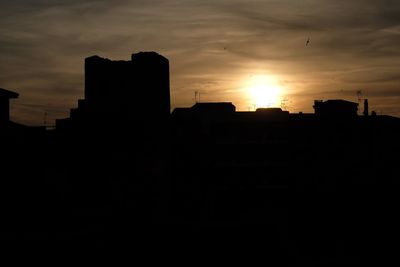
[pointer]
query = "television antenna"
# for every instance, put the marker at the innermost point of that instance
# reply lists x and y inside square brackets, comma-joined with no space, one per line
[359,96]
[45,118]
[197,96]
[284,103]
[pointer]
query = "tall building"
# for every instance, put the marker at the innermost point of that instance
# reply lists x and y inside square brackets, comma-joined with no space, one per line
[132,90]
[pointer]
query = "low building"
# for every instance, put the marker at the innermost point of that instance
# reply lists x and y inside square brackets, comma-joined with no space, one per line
[5,96]
[336,108]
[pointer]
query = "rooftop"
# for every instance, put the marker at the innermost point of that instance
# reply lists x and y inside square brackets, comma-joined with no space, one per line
[8,94]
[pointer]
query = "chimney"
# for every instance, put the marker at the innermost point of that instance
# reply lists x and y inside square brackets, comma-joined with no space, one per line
[365,107]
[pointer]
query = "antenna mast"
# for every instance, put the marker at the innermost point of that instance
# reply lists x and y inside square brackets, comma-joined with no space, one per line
[45,119]
[359,96]
[283,103]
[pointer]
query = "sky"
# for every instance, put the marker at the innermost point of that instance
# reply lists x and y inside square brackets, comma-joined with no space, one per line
[240,51]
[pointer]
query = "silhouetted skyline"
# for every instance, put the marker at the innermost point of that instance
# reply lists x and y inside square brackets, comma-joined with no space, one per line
[214,47]
[303,188]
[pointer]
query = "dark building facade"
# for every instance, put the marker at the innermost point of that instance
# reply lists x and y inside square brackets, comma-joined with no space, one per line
[336,108]
[5,96]
[13,135]
[132,90]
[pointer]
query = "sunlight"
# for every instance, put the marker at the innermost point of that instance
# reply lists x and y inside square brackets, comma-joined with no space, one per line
[264,91]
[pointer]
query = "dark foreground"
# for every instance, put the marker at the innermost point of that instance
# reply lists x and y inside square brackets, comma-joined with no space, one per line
[320,193]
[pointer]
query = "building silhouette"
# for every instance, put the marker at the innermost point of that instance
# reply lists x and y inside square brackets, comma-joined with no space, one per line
[300,182]
[5,96]
[366,111]
[337,108]
[123,91]
[13,130]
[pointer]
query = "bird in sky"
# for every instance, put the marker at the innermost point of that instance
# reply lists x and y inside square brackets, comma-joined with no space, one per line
[308,41]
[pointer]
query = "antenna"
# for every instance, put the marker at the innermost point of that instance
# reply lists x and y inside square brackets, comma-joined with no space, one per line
[197,96]
[283,103]
[359,96]
[45,119]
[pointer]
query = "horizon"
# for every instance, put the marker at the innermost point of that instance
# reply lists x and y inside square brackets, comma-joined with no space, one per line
[227,51]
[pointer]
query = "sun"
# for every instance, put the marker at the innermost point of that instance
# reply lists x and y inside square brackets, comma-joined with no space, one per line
[264,91]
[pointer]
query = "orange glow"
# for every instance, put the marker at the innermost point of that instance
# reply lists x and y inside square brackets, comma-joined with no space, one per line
[264,91]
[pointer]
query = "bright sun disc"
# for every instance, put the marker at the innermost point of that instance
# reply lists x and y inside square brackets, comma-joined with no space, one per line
[264,92]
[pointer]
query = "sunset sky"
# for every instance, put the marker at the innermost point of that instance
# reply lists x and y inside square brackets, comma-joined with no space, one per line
[241,51]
